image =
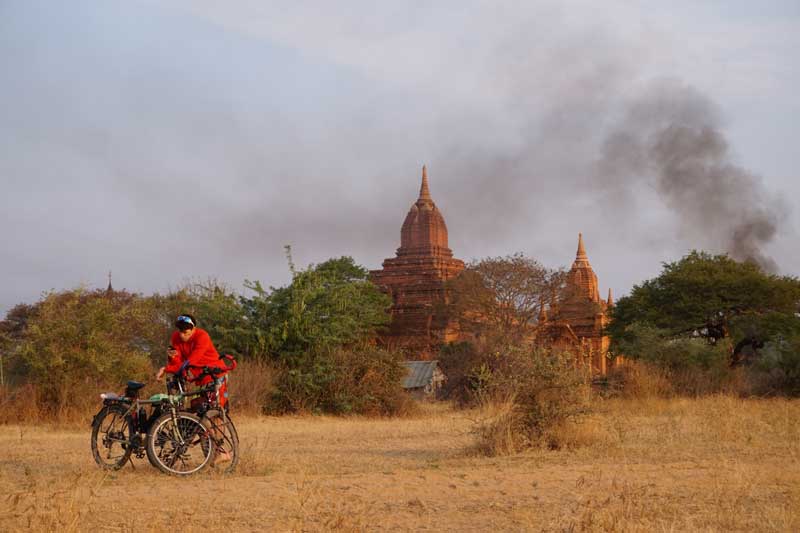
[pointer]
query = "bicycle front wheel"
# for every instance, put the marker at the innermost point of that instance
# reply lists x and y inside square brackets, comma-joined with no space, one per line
[179,444]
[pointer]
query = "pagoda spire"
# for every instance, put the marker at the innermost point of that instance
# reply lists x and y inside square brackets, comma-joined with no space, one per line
[581,279]
[581,255]
[424,230]
[109,289]
[610,300]
[424,191]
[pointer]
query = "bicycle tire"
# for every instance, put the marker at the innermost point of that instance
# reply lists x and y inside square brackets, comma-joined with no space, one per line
[120,429]
[224,435]
[184,454]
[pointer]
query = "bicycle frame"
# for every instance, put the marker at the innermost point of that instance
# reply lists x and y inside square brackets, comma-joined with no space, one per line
[144,417]
[134,409]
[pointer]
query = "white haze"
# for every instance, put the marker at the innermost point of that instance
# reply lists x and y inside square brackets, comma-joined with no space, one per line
[175,140]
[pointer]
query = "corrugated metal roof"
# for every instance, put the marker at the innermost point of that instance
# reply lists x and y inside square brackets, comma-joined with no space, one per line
[420,373]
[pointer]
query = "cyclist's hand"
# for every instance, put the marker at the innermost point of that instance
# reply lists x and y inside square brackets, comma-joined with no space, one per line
[160,373]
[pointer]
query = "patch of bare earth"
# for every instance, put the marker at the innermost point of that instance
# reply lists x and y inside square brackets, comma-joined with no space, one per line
[714,464]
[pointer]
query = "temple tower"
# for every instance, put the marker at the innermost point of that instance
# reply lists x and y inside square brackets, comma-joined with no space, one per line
[580,299]
[415,279]
[581,308]
[578,317]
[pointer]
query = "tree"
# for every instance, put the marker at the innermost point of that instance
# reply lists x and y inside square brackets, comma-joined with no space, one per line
[502,296]
[217,309]
[709,297]
[12,331]
[318,329]
[325,306]
[78,338]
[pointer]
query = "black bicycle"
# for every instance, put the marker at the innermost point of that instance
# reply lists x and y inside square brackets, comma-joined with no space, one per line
[174,440]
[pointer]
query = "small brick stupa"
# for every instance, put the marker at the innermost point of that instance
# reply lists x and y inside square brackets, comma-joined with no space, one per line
[415,280]
[577,320]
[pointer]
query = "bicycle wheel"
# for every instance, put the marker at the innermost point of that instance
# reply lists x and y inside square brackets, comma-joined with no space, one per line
[111,437]
[179,446]
[225,437]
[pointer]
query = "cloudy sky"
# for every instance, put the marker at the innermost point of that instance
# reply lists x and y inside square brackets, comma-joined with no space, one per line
[171,140]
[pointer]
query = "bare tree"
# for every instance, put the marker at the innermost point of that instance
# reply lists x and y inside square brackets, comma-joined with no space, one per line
[502,296]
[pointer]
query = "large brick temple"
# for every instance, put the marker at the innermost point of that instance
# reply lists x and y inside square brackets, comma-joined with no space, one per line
[415,279]
[578,316]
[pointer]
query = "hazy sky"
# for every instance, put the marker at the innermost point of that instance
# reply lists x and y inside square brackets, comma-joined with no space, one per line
[173,140]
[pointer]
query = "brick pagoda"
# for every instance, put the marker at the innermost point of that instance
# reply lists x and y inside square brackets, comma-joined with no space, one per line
[415,279]
[577,320]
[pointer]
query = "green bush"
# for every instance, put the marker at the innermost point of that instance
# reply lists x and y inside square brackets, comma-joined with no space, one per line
[309,342]
[368,380]
[217,309]
[79,341]
[777,371]
[358,380]
[655,346]
[694,367]
[325,306]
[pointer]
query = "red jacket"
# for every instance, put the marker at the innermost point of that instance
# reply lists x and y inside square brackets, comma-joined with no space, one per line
[198,350]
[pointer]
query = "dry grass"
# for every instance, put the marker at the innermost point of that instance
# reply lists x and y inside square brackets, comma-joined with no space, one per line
[710,464]
[250,388]
[251,385]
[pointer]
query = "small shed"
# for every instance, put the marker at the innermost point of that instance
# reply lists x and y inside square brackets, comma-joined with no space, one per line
[424,378]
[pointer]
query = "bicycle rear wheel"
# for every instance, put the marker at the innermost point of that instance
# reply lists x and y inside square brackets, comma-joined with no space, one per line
[179,446]
[111,437]
[225,437]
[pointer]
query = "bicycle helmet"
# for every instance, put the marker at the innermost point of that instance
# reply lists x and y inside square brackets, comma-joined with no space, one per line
[185,321]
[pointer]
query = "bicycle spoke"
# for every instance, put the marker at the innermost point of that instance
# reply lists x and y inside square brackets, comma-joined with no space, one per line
[110,438]
[175,443]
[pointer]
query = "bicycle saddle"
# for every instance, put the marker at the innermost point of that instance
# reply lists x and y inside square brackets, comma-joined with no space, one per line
[135,385]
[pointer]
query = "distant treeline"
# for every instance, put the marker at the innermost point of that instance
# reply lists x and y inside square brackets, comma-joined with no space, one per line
[705,321]
[315,334]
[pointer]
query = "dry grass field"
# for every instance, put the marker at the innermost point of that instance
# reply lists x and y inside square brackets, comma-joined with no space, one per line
[713,464]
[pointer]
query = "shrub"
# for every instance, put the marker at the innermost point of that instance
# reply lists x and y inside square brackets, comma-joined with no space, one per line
[368,381]
[79,341]
[655,346]
[325,306]
[358,380]
[777,370]
[218,310]
[252,385]
[640,379]
[458,362]
[528,394]
[648,379]
[20,404]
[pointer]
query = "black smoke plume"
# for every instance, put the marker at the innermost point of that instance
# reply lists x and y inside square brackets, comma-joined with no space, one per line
[670,136]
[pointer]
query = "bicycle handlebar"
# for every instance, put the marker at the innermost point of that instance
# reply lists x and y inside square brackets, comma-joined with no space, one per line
[230,364]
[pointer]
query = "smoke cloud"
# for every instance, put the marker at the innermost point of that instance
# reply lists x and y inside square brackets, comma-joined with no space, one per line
[670,135]
[200,143]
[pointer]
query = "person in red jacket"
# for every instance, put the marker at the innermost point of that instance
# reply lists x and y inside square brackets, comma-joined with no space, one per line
[192,344]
